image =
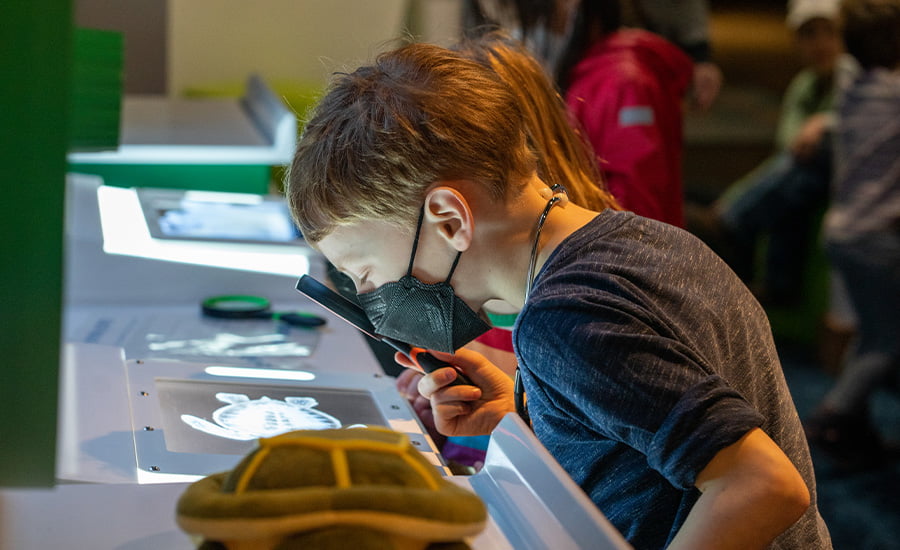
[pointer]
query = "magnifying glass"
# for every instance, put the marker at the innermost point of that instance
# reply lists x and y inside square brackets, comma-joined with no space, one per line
[239,306]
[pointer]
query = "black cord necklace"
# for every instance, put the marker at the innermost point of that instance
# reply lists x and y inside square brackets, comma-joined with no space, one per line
[559,195]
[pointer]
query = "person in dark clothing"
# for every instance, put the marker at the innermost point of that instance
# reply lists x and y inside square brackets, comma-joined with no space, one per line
[862,233]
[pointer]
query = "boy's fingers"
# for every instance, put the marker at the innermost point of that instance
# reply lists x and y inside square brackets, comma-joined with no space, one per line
[409,391]
[449,410]
[408,383]
[404,361]
[434,387]
[433,382]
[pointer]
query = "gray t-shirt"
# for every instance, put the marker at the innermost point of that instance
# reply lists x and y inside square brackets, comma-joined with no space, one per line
[642,356]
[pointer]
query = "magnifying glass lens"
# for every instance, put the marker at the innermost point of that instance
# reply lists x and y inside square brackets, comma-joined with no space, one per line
[238,305]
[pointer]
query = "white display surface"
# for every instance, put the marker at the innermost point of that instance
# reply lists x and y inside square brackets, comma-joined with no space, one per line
[197,419]
[107,403]
[180,122]
[122,517]
[109,497]
[125,232]
[123,308]
[112,260]
[92,516]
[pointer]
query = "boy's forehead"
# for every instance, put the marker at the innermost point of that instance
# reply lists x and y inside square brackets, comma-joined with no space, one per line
[341,244]
[353,243]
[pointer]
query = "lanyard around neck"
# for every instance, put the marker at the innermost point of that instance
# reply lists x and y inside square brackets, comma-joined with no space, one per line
[519,390]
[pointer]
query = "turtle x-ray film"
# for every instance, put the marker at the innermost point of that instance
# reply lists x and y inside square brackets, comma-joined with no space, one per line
[204,416]
[198,418]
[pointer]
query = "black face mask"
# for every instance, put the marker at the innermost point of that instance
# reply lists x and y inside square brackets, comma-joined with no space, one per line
[425,315]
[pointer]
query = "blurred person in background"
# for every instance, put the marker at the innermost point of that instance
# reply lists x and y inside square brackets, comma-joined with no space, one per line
[685,23]
[784,197]
[625,87]
[862,234]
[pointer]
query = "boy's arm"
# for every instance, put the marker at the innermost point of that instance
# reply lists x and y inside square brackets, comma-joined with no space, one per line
[751,493]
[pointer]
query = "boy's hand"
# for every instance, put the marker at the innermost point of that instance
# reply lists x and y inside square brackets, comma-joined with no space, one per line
[466,410]
[408,386]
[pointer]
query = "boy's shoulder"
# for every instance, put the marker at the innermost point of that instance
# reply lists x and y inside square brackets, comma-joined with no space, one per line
[614,226]
[623,242]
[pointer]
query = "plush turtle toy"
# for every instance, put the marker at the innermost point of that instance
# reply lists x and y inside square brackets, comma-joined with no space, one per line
[360,488]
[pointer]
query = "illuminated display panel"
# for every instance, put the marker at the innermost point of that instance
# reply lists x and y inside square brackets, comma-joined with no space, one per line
[212,417]
[127,231]
[180,430]
[212,216]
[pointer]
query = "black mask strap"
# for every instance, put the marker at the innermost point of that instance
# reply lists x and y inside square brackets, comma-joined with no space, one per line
[412,255]
[453,267]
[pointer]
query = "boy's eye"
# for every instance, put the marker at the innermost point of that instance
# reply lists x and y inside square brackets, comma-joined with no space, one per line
[359,281]
[363,284]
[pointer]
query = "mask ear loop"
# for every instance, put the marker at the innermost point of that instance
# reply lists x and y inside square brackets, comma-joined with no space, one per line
[412,256]
[453,268]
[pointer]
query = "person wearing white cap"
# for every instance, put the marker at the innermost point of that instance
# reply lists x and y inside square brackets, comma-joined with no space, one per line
[803,11]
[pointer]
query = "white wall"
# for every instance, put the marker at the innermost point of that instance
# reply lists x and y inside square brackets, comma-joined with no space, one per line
[218,42]
[213,42]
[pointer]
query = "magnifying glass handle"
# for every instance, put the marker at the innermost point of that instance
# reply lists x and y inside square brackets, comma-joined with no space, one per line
[430,363]
[299,319]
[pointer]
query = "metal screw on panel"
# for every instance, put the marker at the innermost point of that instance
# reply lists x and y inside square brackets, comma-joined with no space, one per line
[154,468]
[149,428]
[140,361]
[416,443]
[395,407]
[144,394]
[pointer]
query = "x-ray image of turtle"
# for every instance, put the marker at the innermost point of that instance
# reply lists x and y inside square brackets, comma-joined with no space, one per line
[244,419]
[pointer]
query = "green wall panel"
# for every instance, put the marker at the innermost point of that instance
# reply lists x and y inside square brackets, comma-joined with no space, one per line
[235,178]
[35,63]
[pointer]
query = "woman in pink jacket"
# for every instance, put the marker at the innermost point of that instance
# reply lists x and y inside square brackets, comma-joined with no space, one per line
[626,90]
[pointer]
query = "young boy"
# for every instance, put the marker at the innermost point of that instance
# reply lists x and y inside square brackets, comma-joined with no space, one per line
[649,369]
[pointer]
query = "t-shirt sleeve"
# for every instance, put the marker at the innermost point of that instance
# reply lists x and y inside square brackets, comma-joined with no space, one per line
[610,365]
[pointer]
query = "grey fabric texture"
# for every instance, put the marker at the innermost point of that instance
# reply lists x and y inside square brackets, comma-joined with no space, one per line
[642,356]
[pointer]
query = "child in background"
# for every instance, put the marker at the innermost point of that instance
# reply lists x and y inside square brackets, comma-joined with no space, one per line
[862,233]
[784,197]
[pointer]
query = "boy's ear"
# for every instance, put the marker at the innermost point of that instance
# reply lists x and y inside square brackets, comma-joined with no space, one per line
[448,211]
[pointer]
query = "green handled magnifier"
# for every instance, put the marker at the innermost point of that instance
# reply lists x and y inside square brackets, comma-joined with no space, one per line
[239,306]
